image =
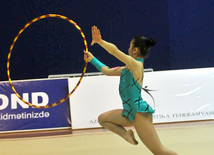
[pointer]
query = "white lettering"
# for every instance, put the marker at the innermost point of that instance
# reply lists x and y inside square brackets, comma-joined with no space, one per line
[38,98]
[35,98]
[4,100]
[15,100]
[24,115]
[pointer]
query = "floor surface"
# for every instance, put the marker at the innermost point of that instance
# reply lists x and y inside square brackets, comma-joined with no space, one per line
[195,138]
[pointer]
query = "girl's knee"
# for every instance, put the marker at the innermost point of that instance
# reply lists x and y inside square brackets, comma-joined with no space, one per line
[101,119]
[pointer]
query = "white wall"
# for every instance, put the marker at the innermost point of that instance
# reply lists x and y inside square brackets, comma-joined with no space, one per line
[180,95]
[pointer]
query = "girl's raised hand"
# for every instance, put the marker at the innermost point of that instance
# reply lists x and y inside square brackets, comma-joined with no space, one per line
[96,35]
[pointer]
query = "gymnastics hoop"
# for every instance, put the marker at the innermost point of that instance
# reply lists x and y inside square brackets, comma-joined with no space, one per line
[11,48]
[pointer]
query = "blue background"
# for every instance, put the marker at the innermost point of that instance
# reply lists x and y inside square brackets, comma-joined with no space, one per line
[184,30]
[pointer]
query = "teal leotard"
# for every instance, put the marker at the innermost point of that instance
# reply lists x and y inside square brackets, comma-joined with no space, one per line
[130,93]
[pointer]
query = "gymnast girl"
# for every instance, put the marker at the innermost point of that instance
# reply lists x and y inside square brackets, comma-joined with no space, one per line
[135,112]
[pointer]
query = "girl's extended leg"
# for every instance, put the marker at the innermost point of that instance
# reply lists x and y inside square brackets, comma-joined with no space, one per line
[147,133]
[113,121]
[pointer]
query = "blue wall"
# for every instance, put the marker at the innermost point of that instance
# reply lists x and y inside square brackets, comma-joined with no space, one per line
[191,29]
[183,29]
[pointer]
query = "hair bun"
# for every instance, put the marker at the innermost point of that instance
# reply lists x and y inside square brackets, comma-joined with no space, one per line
[150,42]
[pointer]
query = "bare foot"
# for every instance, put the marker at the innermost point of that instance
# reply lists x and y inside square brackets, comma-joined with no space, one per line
[130,137]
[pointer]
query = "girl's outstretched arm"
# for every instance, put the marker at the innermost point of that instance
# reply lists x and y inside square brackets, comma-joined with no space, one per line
[111,48]
[115,71]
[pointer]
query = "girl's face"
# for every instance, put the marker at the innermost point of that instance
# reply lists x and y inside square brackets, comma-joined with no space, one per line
[131,49]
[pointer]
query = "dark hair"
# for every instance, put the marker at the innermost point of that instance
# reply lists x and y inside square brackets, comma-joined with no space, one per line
[143,44]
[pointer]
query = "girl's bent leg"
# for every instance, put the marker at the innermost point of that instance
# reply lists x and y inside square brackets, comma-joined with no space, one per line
[113,121]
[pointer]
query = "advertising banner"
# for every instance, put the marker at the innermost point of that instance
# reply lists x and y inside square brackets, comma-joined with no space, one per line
[178,95]
[17,116]
[95,95]
[181,95]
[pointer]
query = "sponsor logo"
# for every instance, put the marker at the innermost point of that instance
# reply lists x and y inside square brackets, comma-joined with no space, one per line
[37,98]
